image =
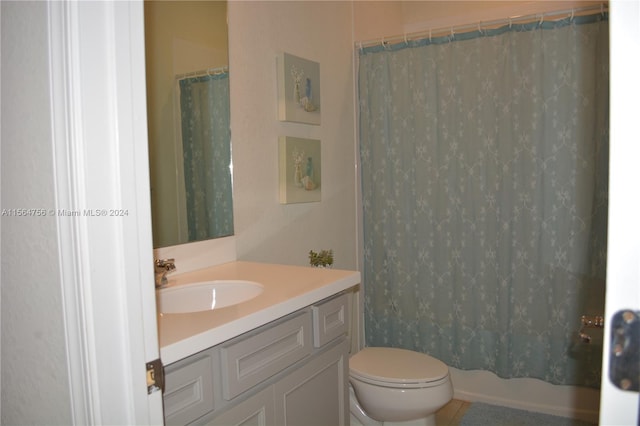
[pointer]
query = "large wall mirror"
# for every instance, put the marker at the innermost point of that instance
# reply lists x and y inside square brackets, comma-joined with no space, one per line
[188,120]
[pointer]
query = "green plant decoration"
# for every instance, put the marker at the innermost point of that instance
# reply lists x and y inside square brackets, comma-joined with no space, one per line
[323,259]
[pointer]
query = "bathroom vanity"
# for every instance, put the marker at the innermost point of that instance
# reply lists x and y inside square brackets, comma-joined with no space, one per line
[279,358]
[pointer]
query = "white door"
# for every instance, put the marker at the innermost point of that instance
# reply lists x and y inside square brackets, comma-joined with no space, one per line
[98,104]
[617,406]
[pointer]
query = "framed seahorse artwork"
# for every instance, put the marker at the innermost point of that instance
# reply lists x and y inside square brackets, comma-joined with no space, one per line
[300,170]
[298,89]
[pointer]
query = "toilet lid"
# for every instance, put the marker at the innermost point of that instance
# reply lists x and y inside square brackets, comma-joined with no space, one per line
[394,365]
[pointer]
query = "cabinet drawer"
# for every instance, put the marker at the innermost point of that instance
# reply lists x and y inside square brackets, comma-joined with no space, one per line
[330,320]
[189,389]
[248,361]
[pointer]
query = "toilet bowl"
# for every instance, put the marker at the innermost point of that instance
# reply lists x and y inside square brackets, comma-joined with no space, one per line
[391,386]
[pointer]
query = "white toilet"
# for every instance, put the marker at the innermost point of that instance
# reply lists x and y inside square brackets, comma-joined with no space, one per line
[391,386]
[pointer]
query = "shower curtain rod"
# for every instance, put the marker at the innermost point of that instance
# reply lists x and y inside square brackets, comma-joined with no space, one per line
[480,25]
[208,71]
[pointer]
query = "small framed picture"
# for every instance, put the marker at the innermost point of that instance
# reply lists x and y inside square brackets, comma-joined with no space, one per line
[298,90]
[300,170]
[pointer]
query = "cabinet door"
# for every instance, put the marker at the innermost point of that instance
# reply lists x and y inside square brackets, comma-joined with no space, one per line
[257,410]
[189,388]
[316,394]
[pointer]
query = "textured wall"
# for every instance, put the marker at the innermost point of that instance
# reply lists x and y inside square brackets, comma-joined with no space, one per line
[34,370]
[265,229]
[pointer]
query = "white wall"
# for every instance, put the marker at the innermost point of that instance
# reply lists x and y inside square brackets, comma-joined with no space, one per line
[34,365]
[377,19]
[265,229]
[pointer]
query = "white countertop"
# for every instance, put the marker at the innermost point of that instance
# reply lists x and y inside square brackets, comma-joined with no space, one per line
[286,289]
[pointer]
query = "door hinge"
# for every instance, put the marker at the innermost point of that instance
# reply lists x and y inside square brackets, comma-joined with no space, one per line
[155,376]
[624,359]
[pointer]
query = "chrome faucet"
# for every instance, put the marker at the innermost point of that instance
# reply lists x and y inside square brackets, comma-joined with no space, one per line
[161,268]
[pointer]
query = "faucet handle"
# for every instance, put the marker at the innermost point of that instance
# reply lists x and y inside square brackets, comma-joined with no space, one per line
[162,267]
[166,264]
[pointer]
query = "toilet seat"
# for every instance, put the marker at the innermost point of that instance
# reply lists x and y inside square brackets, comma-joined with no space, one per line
[399,368]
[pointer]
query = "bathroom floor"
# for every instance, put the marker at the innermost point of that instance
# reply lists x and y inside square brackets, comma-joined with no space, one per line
[451,414]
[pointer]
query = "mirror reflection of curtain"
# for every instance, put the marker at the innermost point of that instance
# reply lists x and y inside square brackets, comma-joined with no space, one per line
[484,179]
[204,112]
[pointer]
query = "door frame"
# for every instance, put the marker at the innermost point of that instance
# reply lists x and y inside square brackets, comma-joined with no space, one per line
[99,123]
[618,407]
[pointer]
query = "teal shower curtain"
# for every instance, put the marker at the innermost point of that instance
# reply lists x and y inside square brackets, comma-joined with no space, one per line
[484,161]
[206,146]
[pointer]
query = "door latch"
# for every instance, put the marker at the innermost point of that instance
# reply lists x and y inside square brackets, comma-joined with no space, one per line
[155,376]
[624,356]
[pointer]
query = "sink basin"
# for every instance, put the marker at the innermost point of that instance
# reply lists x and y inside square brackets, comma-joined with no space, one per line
[206,296]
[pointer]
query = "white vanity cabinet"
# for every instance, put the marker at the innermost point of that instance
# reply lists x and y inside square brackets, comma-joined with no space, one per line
[292,371]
